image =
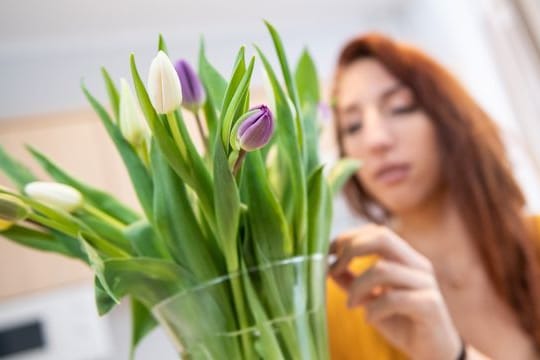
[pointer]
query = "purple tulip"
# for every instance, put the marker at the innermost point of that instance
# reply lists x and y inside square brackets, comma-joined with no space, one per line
[256,130]
[193,95]
[324,112]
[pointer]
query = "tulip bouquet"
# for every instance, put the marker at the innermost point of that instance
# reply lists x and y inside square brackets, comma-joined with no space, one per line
[228,254]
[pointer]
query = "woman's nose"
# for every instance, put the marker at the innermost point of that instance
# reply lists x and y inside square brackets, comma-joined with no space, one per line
[377,135]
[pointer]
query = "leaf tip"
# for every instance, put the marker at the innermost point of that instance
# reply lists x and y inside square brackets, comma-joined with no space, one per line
[83,87]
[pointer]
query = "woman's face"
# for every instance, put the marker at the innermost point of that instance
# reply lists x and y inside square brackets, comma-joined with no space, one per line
[381,124]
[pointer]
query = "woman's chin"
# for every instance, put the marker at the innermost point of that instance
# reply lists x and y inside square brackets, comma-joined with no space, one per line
[401,204]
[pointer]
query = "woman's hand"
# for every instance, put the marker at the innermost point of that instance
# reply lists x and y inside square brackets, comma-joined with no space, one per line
[399,293]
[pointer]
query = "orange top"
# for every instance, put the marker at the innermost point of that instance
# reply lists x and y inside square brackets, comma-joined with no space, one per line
[350,336]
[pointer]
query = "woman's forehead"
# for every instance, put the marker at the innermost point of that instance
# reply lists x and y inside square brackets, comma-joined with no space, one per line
[364,80]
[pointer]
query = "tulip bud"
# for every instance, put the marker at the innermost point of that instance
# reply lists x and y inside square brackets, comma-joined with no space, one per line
[163,85]
[324,113]
[256,130]
[193,95]
[12,210]
[55,195]
[132,123]
[4,225]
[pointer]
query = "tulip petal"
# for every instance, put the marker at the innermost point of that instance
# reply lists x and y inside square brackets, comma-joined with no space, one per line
[257,129]
[54,194]
[163,85]
[193,95]
[132,122]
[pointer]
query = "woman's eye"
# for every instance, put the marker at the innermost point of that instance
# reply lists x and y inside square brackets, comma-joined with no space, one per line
[352,128]
[405,109]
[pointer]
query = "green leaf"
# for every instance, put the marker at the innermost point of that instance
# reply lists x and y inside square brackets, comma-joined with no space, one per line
[270,348]
[239,69]
[307,80]
[227,205]
[107,231]
[177,225]
[237,105]
[212,119]
[14,170]
[112,91]
[72,245]
[104,302]
[144,240]
[237,77]
[319,212]
[148,280]
[308,91]
[267,222]
[96,263]
[291,151]
[39,240]
[341,172]
[140,178]
[289,81]
[142,323]
[312,135]
[162,46]
[202,180]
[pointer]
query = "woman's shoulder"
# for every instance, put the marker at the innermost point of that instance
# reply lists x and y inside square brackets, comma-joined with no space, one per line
[351,337]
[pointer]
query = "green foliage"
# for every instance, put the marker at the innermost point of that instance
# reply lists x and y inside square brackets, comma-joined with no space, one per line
[201,218]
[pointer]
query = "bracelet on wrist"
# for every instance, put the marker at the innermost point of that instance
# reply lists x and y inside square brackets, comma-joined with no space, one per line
[463,353]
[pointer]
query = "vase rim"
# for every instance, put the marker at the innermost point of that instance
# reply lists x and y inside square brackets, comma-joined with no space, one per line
[219,279]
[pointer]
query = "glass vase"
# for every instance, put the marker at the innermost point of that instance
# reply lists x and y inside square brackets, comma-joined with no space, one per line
[273,311]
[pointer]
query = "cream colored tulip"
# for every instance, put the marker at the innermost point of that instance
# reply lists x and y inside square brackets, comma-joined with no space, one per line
[163,85]
[132,123]
[56,195]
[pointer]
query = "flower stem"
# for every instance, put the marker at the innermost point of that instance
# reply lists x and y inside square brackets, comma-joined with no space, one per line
[239,161]
[92,210]
[238,301]
[177,136]
[143,151]
[201,131]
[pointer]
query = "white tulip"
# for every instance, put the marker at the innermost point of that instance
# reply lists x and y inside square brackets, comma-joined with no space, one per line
[55,195]
[132,123]
[163,85]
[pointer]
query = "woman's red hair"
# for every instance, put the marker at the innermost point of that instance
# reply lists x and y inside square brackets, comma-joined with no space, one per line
[475,171]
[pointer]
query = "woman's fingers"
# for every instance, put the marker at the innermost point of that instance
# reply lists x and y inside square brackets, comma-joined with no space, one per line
[343,279]
[413,304]
[399,293]
[374,240]
[385,274]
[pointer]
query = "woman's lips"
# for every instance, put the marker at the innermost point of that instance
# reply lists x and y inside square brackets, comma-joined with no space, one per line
[392,174]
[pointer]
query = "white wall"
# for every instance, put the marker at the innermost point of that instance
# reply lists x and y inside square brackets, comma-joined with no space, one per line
[48,46]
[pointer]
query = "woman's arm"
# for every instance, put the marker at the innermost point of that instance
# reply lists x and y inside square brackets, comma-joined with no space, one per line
[399,293]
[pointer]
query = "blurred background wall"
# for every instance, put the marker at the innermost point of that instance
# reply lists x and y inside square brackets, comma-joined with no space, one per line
[47,47]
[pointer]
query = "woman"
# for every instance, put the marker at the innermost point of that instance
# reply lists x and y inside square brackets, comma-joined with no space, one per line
[447,268]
